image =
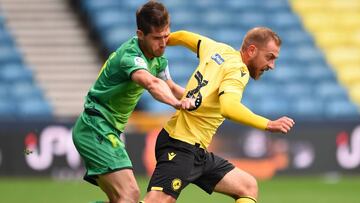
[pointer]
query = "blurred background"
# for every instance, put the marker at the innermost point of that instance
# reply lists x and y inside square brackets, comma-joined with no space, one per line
[52,50]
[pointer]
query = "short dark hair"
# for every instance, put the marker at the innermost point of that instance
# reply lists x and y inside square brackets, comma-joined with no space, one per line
[259,36]
[152,15]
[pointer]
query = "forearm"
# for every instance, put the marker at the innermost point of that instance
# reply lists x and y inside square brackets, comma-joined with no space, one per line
[161,92]
[178,91]
[232,109]
[156,87]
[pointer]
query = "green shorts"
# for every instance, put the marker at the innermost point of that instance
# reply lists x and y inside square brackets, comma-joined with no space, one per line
[99,145]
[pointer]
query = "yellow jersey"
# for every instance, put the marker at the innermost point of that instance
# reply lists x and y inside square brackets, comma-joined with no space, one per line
[220,70]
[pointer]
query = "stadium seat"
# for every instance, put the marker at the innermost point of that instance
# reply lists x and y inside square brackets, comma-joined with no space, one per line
[330,90]
[341,109]
[91,6]
[278,6]
[34,109]
[9,54]
[182,18]
[113,38]
[5,38]
[15,72]
[307,108]
[4,90]
[296,90]
[319,73]
[7,109]
[273,107]
[260,90]
[26,90]
[109,18]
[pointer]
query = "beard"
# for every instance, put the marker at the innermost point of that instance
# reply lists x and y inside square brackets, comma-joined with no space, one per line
[252,70]
[159,52]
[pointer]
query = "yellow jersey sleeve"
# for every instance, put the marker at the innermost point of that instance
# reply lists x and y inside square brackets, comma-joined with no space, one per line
[232,109]
[235,78]
[195,42]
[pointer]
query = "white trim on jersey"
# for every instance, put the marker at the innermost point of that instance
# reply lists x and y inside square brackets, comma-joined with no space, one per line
[165,74]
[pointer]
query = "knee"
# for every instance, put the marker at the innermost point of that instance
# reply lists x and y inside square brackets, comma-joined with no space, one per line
[253,187]
[250,188]
[133,193]
[130,194]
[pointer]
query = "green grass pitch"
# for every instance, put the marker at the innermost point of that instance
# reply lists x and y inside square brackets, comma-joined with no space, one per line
[282,189]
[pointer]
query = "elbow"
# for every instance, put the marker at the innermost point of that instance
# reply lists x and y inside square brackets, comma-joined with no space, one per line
[225,111]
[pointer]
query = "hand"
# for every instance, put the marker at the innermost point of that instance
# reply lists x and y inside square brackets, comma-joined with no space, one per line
[187,103]
[283,125]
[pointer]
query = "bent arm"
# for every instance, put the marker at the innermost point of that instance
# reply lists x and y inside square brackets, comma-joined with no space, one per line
[156,87]
[232,109]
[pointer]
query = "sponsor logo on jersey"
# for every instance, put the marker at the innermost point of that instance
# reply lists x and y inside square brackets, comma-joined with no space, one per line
[140,62]
[217,58]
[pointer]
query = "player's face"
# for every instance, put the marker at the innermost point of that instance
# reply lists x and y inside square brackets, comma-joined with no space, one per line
[154,43]
[263,59]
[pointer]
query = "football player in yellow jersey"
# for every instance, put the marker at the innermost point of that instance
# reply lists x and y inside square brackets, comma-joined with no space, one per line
[217,86]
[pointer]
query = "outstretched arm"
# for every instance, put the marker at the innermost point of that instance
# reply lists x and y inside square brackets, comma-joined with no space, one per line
[156,87]
[161,91]
[195,42]
[232,109]
[184,38]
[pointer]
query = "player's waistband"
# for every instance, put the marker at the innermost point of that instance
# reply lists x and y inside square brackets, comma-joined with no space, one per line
[95,112]
[180,143]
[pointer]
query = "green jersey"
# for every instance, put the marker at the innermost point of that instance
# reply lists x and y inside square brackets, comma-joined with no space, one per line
[114,94]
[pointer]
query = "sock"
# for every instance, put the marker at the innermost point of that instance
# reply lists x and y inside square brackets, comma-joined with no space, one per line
[246,200]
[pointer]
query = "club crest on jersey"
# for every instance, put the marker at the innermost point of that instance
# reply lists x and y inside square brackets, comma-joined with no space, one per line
[217,58]
[176,184]
[140,62]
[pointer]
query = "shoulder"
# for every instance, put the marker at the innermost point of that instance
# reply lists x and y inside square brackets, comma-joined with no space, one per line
[130,54]
[163,61]
[234,63]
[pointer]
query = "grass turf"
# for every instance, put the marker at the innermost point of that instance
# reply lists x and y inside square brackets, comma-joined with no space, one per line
[278,190]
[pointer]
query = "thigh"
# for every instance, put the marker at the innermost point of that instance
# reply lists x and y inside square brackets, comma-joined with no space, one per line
[100,147]
[118,184]
[173,168]
[215,169]
[237,183]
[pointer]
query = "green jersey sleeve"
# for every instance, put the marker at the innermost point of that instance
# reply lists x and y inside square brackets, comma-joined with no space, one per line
[133,63]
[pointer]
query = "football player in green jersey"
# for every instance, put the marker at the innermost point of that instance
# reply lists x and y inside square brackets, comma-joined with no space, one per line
[136,65]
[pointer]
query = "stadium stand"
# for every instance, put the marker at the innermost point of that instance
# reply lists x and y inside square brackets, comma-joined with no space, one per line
[335,26]
[311,79]
[303,85]
[57,50]
[20,97]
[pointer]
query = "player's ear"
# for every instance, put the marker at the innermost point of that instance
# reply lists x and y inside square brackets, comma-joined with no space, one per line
[140,34]
[252,50]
